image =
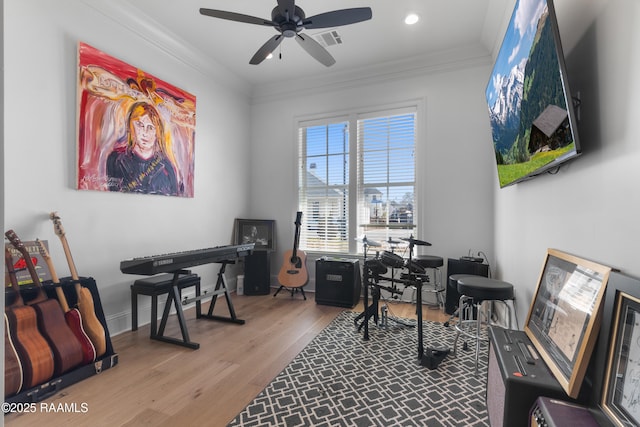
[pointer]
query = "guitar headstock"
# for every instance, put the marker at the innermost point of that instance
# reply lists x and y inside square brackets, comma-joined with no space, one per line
[14,239]
[57,224]
[43,250]
[298,218]
[10,271]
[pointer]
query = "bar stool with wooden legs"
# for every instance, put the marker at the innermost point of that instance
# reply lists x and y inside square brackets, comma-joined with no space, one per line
[474,290]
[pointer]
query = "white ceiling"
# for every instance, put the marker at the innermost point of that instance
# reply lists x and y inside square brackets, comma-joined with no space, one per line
[445,26]
[449,32]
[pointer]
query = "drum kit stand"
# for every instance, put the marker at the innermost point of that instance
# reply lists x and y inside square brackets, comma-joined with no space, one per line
[373,271]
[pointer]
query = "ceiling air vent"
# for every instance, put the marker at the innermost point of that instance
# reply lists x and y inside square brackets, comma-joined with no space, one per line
[328,38]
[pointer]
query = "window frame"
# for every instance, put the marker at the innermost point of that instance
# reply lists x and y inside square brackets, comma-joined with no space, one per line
[352,118]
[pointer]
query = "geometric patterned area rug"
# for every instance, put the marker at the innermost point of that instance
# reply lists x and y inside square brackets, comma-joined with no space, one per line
[340,379]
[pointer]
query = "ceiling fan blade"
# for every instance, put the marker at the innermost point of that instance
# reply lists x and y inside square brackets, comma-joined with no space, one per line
[238,17]
[315,49]
[266,49]
[287,8]
[337,18]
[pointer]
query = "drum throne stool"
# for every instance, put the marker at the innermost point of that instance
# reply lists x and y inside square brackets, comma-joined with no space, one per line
[433,263]
[474,291]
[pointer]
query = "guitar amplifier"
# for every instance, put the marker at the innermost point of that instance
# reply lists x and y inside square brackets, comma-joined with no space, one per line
[547,412]
[516,377]
[338,281]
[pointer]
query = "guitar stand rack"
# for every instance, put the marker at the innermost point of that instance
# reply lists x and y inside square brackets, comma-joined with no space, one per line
[292,290]
[172,285]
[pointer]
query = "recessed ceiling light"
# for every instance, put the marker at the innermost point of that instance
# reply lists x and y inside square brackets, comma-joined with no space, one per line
[270,56]
[411,19]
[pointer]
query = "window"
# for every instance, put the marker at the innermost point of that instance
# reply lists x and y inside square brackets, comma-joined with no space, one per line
[352,185]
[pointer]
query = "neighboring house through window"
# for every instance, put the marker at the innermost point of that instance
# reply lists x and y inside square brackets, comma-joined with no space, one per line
[352,184]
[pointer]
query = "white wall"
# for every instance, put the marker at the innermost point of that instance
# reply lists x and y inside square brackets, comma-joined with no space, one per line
[40,144]
[454,156]
[592,206]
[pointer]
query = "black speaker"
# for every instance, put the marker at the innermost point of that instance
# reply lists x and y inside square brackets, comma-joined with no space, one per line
[338,282]
[460,266]
[257,273]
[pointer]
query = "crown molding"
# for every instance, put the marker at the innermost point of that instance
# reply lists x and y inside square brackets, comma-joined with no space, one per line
[453,59]
[139,23]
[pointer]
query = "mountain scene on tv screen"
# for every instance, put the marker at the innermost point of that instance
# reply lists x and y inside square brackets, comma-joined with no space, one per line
[529,118]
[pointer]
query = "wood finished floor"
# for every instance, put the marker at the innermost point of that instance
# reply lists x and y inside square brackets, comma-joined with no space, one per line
[159,384]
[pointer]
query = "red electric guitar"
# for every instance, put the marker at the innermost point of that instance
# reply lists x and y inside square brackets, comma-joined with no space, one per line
[90,321]
[71,315]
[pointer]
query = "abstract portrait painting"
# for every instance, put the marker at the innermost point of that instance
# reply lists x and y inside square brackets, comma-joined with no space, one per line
[136,133]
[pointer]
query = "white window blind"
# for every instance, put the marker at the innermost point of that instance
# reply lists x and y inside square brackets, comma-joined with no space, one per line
[355,185]
[324,187]
[386,176]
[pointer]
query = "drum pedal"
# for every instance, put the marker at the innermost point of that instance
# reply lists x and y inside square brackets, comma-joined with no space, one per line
[433,356]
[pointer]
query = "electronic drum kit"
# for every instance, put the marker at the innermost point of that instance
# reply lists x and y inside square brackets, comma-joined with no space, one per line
[375,270]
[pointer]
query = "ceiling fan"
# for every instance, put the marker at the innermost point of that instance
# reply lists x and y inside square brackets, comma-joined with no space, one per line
[289,20]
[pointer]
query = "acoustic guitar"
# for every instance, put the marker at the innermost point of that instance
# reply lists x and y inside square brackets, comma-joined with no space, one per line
[90,321]
[71,315]
[293,273]
[12,365]
[34,353]
[67,350]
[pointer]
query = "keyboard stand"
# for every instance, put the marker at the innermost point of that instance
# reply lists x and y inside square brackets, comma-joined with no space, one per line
[174,300]
[173,297]
[221,288]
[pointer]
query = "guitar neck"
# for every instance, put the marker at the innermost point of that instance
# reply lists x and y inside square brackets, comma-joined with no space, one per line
[54,276]
[296,237]
[13,280]
[72,265]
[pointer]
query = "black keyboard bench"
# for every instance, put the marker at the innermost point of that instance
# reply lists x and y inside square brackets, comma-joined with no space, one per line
[160,285]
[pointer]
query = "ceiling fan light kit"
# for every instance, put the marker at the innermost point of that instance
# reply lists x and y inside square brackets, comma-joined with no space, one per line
[290,20]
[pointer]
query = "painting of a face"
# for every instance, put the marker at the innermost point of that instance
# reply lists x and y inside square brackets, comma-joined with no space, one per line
[145,135]
[136,133]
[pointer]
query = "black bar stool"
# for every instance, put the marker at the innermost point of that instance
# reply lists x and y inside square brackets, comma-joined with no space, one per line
[474,290]
[434,263]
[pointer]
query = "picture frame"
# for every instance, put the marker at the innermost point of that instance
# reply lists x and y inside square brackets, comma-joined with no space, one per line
[620,393]
[258,231]
[565,314]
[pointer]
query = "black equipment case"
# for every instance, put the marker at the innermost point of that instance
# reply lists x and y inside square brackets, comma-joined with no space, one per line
[108,360]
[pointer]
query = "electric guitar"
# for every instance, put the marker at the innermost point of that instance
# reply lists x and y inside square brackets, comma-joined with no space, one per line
[67,350]
[71,315]
[293,273]
[34,353]
[90,321]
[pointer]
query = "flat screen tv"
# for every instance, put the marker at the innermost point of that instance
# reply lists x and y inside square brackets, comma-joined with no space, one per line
[531,109]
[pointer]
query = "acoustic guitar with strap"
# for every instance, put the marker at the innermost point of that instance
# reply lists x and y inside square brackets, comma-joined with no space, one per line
[34,353]
[71,315]
[67,350]
[90,321]
[293,273]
